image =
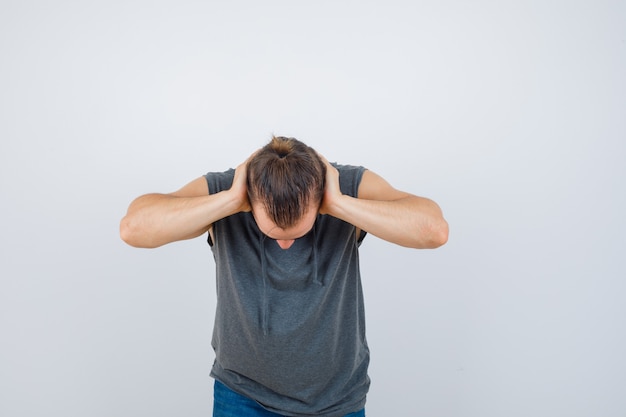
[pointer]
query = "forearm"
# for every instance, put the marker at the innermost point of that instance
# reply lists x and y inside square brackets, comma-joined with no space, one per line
[412,221]
[156,219]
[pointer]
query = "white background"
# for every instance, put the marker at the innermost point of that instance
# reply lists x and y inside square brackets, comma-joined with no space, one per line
[510,114]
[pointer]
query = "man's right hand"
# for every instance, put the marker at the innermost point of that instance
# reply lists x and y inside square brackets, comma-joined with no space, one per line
[239,189]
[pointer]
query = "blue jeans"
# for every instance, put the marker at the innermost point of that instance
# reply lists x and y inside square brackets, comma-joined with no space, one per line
[227,403]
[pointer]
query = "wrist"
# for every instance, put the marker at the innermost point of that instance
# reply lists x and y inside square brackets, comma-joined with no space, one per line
[336,206]
[236,201]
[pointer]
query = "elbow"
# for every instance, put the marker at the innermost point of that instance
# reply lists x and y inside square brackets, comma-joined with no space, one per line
[130,234]
[437,236]
[440,234]
[126,232]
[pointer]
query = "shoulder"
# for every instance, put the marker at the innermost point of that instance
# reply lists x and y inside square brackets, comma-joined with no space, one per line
[375,187]
[345,169]
[350,177]
[219,181]
[358,181]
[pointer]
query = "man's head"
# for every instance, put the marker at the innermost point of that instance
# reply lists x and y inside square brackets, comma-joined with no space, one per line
[286,179]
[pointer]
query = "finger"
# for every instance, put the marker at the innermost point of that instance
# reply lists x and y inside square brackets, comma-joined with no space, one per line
[252,155]
[323,158]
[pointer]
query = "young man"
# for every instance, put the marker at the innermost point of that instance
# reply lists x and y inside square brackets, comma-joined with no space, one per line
[284,228]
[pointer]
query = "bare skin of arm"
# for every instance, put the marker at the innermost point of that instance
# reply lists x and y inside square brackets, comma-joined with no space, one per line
[154,220]
[381,210]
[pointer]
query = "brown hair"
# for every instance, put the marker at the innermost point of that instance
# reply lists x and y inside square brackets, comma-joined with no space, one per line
[286,176]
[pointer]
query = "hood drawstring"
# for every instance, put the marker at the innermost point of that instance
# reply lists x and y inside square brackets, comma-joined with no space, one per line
[265,302]
[316,275]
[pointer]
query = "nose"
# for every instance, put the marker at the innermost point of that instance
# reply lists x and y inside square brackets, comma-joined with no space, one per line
[285,244]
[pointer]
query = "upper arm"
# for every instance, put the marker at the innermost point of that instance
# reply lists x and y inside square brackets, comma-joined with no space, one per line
[426,211]
[196,188]
[375,187]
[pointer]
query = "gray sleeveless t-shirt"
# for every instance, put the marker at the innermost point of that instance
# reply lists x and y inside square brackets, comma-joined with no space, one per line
[290,324]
